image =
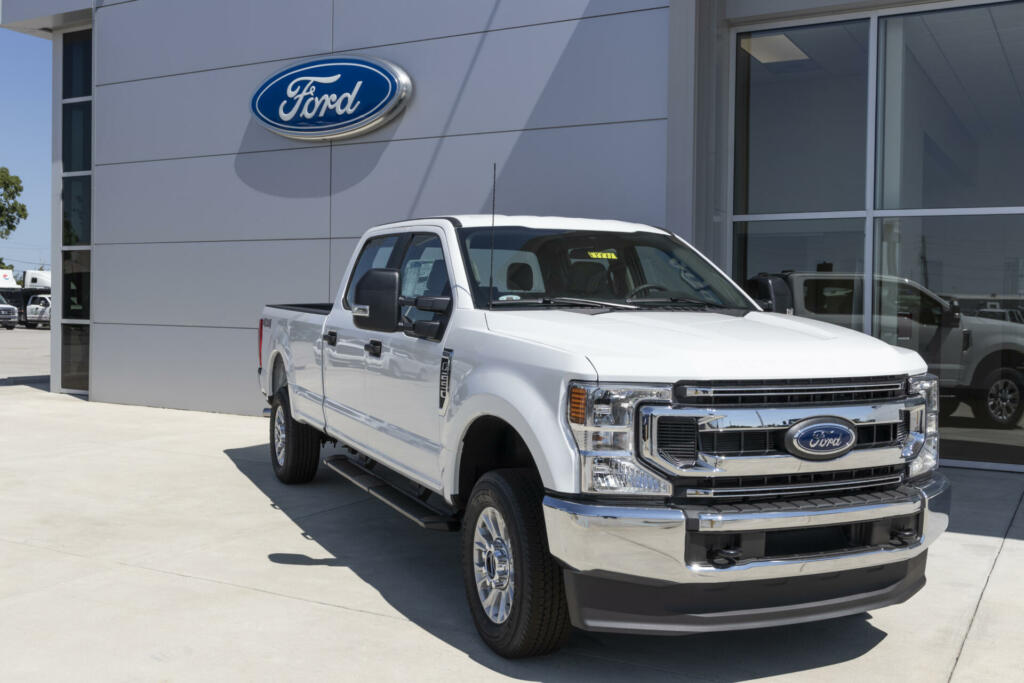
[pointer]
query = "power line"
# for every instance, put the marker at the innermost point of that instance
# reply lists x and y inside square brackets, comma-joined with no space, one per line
[18,260]
[25,247]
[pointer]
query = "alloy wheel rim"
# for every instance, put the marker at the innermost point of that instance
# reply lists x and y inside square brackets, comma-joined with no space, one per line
[1003,399]
[280,434]
[493,567]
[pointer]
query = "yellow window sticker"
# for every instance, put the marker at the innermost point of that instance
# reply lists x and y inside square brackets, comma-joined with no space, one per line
[610,255]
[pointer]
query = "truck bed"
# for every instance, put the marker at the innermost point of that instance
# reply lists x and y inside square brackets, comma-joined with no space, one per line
[318,309]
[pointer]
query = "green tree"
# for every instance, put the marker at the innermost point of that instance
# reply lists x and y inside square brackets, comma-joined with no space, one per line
[12,211]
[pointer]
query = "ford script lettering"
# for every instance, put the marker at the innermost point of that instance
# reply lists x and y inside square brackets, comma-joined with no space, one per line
[332,98]
[821,438]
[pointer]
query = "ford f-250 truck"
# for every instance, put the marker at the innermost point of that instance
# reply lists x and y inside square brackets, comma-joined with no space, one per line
[626,441]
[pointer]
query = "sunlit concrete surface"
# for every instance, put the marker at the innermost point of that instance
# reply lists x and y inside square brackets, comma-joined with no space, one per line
[147,544]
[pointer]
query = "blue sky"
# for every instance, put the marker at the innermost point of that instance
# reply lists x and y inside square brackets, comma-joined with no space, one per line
[25,81]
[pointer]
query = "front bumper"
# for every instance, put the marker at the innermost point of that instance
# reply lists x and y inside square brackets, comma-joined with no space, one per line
[633,569]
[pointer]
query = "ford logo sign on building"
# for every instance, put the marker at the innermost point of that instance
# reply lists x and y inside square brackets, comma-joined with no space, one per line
[821,438]
[332,98]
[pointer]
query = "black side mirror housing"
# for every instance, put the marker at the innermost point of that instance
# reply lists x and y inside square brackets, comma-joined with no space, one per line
[376,301]
[951,316]
[771,292]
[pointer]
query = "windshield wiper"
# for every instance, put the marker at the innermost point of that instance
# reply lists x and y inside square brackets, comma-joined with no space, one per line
[567,301]
[678,300]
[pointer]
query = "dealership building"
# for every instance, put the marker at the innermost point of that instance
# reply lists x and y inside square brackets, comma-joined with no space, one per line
[836,143]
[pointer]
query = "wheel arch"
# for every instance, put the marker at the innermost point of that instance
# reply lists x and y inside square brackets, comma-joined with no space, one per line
[489,442]
[1001,358]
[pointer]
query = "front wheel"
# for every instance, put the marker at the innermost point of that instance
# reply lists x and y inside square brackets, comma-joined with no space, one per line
[30,326]
[294,447]
[1000,401]
[514,586]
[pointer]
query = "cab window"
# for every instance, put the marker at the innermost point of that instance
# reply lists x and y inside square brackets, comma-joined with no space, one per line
[376,254]
[915,304]
[424,273]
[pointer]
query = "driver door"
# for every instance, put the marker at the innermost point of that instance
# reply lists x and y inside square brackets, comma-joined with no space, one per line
[403,381]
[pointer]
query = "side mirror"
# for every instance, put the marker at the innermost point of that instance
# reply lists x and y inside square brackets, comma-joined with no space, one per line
[952,317]
[771,292]
[376,301]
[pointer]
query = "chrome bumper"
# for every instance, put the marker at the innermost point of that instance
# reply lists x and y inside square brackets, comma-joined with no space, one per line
[649,543]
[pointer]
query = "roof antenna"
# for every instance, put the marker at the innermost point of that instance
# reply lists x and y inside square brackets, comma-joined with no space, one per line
[494,191]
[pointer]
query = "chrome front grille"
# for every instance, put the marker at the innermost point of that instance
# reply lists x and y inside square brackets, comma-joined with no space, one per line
[738,453]
[790,392]
[767,441]
[677,440]
[749,488]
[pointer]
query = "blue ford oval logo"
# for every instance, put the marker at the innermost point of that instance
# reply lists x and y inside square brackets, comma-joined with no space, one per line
[821,438]
[331,98]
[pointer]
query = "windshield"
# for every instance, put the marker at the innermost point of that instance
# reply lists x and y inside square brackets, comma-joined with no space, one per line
[3,301]
[535,267]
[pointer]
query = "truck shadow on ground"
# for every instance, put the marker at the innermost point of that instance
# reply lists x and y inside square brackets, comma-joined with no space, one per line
[417,572]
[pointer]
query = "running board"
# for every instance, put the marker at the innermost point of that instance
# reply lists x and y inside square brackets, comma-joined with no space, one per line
[395,498]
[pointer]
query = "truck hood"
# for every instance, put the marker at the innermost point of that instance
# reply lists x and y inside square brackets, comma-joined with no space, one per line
[665,346]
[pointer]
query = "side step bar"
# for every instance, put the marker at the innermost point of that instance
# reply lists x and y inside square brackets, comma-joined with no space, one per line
[395,498]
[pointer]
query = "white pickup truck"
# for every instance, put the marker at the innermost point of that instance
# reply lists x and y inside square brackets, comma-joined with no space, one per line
[626,441]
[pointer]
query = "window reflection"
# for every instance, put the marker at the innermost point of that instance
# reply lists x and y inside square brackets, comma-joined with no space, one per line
[801,119]
[77,64]
[74,357]
[75,279]
[950,108]
[77,134]
[76,227]
[952,289]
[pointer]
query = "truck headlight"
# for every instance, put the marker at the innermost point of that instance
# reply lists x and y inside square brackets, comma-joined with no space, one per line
[601,420]
[922,446]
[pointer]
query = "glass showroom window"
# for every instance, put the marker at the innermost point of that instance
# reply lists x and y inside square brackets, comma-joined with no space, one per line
[801,108]
[923,203]
[76,208]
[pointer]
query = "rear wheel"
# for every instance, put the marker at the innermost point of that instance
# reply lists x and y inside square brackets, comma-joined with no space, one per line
[30,326]
[294,447]
[514,586]
[1000,400]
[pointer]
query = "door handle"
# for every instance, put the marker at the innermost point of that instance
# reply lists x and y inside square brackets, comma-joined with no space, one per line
[331,337]
[373,347]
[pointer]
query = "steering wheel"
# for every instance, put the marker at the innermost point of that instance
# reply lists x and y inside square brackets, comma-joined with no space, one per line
[643,288]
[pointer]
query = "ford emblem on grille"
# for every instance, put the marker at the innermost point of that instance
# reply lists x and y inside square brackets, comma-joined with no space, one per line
[821,438]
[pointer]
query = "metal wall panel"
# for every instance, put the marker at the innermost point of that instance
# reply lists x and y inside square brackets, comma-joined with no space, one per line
[147,39]
[193,368]
[361,23]
[221,284]
[566,75]
[609,171]
[202,215]
[266,195]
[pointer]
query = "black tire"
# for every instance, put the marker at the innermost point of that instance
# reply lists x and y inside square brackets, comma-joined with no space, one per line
[1000,399]
[537,621]
[30,326]
[300,447]
[948,406]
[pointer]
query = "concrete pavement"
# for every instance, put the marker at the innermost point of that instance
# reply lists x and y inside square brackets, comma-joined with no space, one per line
[147,544]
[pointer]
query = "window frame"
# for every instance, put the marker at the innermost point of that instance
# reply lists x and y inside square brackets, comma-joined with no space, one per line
[869,213]
[405,238]
[398,248]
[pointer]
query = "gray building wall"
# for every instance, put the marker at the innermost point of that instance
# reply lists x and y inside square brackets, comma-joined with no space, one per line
[595,108]
[201,216]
